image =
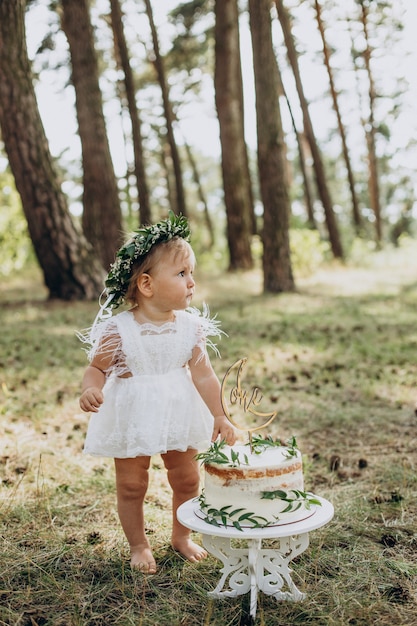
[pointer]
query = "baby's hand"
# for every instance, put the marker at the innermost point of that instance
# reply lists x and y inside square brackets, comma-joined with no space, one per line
[224,429]
[91,398]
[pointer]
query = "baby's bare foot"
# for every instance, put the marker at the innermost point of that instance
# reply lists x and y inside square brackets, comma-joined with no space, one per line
[190,550]
[142,559]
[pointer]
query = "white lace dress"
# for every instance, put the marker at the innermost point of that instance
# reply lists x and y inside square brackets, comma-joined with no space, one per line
[157,407]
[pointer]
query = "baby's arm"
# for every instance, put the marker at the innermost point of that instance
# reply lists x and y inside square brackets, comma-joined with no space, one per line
[208,386]
[95,375]
[92,395]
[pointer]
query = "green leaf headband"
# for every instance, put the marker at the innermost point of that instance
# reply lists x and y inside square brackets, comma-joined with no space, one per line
[138,246]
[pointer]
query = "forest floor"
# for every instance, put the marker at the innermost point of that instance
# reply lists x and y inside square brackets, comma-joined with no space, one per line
[337,359]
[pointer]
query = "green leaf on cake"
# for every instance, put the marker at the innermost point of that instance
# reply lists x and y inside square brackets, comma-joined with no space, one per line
[235,512]
[215,455]
[234,455]
[291,447]
[226,517]
[260,444]
[212,521]
[312,500]
[255,519]
[293,506]
[294,503]
[273,495]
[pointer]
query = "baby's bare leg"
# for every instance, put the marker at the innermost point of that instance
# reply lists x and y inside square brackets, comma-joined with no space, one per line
[131,484]
[184,478]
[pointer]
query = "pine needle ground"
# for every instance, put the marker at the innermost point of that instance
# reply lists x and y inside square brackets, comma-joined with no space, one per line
[337,360]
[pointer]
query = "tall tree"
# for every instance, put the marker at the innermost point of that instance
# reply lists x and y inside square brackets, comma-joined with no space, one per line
[229,104]
[370,129]
[102,219]
[277,271]
[123,61]
[71,270]
[342,132]
[321,182]
[300,139]
[200,193]
[163,82]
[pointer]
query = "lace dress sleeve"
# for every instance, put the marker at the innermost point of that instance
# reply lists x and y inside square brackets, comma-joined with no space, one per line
[103,339]
[206,327]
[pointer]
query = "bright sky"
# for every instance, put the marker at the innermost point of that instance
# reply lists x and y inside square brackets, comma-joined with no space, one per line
[410,40]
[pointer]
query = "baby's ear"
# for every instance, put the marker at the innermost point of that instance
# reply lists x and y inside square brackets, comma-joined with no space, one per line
[144,285]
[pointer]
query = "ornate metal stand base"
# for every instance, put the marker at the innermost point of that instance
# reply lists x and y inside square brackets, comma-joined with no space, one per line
[253,568]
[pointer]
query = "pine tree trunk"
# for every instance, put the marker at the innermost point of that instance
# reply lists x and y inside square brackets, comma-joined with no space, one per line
[229,104]
[277,269]
[200,193]
[122,59]
[308,196]
[322,187]
[357,221]
[102,220]
[163,83]
[370,131]
[71,270]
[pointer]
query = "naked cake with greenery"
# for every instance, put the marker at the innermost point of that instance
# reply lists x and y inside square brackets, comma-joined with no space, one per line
[254,485]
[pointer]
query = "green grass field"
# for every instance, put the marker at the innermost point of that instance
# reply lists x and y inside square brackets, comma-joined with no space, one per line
[338,361]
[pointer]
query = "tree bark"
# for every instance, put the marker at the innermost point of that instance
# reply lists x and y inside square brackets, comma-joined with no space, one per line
[322,187]
[102,219]
[308,195]
[163,83]
[200,193]
[370,131]
[229,104]
[71,270]
[357,221]
[276,261]
[123,61]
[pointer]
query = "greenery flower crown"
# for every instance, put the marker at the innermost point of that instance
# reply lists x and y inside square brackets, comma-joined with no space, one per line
[138,246]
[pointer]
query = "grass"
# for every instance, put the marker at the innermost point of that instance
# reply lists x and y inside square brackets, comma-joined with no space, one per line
[336,359]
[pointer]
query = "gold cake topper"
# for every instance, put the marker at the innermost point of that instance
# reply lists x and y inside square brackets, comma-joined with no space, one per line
[246,401]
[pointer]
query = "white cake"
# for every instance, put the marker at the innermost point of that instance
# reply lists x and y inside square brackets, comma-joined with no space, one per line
[258,489]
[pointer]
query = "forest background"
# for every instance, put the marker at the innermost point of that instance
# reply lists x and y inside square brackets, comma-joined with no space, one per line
[322,299]
[285,132]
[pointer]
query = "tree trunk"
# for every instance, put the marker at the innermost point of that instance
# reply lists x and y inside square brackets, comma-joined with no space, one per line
[345,150]
[164,156]
[229,104]
[200,193]
[322,187]
[102,220]
[122,59]
[370,131]
[276,262]
[308,196]
[70,269]
[163,83]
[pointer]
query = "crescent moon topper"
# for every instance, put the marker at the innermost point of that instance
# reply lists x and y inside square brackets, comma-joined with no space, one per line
[242,401]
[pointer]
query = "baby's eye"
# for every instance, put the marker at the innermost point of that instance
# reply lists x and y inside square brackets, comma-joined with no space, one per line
[182,273]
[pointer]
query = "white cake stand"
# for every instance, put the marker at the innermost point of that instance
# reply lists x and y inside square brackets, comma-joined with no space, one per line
[254,568]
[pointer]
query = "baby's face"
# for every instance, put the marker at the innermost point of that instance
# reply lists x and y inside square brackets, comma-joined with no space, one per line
[172,279]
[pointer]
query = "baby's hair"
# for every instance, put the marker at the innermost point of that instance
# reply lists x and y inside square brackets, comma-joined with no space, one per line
[174,246]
